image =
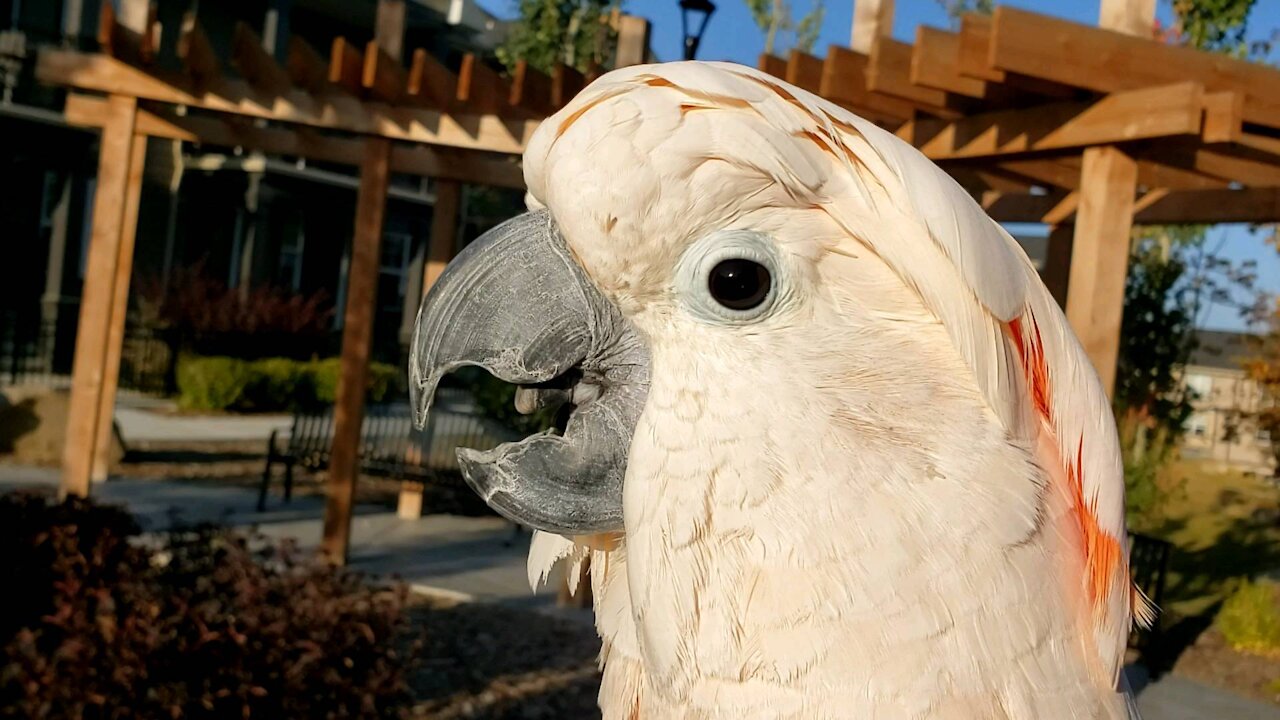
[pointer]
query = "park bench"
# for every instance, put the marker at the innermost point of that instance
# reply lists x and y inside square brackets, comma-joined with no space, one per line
[1149,567]
[389,444]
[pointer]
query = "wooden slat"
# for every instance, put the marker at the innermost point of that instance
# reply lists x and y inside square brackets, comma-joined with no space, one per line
[531,90]
[481,89]
[1169,111]
[431,82]
[92,332]
[346,65]
[255,64]
[889,72]
[566,83]
[1233,164]
[935,60]
[306,68]
[1132,17]
[428,126]
[383,76]
[1105,61]
[197,55]
[975,49]
[844,82]
[632,45]
[388,30]
[137,45]
[1223,116]
[1100,256]
[804,71]
[773,65]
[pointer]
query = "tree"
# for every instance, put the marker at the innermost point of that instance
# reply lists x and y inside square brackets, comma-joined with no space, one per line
[955,9]
[775,19]
[548,32]
[1215,25]
[1264,369]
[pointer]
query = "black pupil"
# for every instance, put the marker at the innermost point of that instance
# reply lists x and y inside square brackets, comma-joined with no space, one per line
[739,284]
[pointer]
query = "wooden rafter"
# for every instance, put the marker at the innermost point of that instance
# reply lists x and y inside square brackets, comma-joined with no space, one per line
[1105,61]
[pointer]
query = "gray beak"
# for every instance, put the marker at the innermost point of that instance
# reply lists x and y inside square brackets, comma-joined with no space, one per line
[515,303]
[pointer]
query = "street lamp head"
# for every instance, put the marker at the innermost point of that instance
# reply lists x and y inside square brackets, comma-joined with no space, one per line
[694,14]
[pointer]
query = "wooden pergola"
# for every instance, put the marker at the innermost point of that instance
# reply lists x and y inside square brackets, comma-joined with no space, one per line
[363,106]
[1086,129]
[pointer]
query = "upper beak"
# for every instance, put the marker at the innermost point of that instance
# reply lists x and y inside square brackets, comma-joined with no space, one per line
[515,303]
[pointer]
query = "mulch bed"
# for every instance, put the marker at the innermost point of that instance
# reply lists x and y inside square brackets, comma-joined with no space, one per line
[490,661]
[1210,660]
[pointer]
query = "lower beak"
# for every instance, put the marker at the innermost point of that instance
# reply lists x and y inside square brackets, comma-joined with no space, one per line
[515,303]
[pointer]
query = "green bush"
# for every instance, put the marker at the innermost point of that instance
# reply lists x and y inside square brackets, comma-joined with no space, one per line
[202,622]
[271,384]
[383,378]
[1250,618]
[212,383]
[279,384]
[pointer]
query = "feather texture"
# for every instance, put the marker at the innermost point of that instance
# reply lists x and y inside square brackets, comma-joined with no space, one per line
[991,460]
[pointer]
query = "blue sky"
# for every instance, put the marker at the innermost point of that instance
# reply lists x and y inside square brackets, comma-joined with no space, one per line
[732,35]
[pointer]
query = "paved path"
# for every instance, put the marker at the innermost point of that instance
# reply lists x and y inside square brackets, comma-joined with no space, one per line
[469,557]
[464,555]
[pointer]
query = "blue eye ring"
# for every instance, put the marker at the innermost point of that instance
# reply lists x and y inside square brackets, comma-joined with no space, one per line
[731,277]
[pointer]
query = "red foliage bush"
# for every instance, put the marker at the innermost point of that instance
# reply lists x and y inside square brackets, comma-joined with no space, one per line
[201,623]
[260,322]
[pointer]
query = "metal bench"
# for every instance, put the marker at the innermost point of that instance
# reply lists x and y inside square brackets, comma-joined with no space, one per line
[389,445]
[1149,568]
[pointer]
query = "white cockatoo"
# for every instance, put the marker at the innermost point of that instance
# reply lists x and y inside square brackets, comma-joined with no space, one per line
[834,451]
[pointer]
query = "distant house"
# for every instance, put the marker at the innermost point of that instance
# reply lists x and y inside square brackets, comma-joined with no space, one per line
[1215,432]
[246,219]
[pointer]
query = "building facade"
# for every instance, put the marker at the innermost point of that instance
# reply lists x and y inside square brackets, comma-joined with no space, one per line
[1219,431]
[244,220]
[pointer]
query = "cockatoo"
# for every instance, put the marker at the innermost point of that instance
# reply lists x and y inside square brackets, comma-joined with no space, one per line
[834,451]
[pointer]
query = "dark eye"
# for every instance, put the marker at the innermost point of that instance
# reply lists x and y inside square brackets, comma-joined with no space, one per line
[739,284]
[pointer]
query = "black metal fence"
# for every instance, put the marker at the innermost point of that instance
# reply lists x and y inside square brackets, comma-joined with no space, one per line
[36,351]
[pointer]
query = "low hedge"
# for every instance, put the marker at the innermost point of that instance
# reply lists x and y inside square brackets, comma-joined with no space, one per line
[271,384]
[202,622]
[1250,618]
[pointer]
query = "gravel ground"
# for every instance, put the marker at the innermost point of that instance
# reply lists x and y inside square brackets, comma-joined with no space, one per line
[488,661]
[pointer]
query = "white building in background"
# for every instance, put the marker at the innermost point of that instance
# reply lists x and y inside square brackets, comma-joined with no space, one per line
[1224,394]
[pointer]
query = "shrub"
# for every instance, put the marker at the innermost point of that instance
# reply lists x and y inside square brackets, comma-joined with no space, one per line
[1250,618]
[271,384]
[202,623]
[279,384]
[212,383]
[383,379]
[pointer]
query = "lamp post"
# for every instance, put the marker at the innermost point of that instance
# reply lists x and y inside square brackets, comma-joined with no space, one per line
[694,13]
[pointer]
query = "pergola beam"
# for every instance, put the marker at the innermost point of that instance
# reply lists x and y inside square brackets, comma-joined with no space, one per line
[87,111]
[1105,61]
[1159,112]
[426,126]
[1175,207]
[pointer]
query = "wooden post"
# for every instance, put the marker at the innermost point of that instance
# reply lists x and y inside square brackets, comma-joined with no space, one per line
[441,248]
[1056,272]
[871,19]
[633,41]
[357,334]
[1132,17]
[358,315]
[1100,255]
[388,29]
[98,294]
[119,312]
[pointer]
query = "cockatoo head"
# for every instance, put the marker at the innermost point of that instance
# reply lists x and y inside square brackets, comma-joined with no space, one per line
[704,224]
[765,309]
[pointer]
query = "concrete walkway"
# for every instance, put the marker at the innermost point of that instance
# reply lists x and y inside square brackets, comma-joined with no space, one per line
[469,558]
